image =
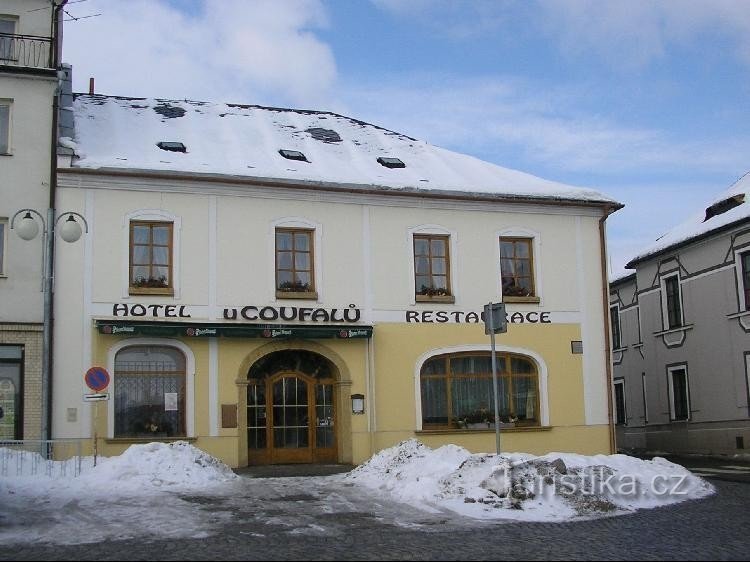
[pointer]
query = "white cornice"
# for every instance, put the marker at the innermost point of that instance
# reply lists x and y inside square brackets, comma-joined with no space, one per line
[88,180]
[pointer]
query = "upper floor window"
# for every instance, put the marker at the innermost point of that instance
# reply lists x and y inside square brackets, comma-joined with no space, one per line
[3,229]
[432,267]
[517,267]
[5,106]
[151,258]
[457,391]
[672,300]
[614,318]
[745,271]
[295,274]
[7,39]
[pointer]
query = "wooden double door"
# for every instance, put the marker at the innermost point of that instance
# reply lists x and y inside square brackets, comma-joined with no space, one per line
[291,419]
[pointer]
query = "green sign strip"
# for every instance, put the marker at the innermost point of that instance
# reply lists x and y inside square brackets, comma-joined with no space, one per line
[267,331]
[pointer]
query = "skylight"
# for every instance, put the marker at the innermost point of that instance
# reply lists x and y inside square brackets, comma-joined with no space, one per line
[391,162]
[172,146]
[293,155]
[724,205]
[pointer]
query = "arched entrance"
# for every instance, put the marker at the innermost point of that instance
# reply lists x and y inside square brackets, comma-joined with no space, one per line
[291,413]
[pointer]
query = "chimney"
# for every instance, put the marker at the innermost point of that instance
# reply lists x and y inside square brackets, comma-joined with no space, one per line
[91,86]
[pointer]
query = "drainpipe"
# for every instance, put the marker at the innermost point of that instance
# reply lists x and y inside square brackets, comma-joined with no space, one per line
[607,343]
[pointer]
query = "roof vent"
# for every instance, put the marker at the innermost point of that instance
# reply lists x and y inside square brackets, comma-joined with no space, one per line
[293,155]
[172,146]
[325,135]
[724,205]
[391,162]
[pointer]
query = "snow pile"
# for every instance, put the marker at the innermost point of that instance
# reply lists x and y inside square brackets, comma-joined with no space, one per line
[553,487]
[140,469]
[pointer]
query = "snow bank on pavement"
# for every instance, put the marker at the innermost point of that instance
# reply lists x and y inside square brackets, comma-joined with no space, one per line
[140,469]
[553,487]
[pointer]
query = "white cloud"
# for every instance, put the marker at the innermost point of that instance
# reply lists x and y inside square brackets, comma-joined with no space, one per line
[492,115]
[232,50]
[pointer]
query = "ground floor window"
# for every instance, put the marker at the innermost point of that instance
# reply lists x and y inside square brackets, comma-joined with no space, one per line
[679,392]
[149,392]
[457,389]
[620,411]
[11,391]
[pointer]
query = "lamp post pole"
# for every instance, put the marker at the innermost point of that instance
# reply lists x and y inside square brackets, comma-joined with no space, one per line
[27,229]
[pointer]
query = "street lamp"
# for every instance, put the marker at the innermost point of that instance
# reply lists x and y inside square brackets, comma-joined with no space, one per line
[27,229]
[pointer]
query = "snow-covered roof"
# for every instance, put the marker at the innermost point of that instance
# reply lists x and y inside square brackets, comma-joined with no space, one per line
[245,140]
[730,207]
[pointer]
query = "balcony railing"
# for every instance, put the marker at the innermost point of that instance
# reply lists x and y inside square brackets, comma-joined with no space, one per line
[25,51]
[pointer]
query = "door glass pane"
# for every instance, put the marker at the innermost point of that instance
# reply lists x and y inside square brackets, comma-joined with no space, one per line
[10,401]
[290,413]
[324,415]
[256,416]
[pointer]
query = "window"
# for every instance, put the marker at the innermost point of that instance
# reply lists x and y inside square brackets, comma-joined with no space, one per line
[679,392]
[456,391]
[3,230]
[517,267]
[745,271]
[295,275]
[644,397]
[151,258]
[620,411]
[673,301]
[11,391]
[149,392]
[5,126]
[614,318]
[432,267]
[8,41]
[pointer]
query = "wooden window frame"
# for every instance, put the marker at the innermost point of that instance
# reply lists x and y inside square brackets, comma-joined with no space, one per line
[671,371]
[312,293]
[508,374]
[169,289]
[446,239]
[529,241]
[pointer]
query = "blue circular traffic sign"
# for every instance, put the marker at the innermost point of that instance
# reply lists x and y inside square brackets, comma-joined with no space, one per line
[97,378]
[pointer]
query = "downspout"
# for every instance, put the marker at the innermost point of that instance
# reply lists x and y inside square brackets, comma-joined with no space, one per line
[607,342]
[47,336]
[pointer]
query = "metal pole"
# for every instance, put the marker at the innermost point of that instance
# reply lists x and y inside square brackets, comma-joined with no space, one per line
[494,380]
[49,240]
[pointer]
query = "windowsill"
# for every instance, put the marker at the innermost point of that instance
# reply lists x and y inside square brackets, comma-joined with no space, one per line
[308,295]
[437,298]
[151,291]
[6,154]
[529,300]
[517,429]
[740,314]
[116,440]
[676,330]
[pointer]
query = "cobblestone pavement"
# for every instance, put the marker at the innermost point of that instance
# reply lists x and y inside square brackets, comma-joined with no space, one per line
[275,522]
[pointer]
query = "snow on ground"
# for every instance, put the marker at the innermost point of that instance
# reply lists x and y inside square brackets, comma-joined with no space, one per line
[158,490]
[553,487]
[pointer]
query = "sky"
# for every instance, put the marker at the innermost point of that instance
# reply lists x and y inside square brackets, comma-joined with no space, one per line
[646,101]
[175,490]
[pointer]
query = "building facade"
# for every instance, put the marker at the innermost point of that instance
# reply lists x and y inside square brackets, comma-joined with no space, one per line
[296,286]
[680,327]
[28,83]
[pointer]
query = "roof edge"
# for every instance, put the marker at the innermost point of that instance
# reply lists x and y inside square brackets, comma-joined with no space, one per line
[609,206]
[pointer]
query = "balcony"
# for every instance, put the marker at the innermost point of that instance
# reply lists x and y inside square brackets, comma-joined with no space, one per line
[25,51]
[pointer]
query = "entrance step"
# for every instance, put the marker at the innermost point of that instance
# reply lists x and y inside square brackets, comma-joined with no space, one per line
[292,470]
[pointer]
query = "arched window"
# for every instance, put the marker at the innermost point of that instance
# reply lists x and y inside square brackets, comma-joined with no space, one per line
[149,392]
[456,391]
